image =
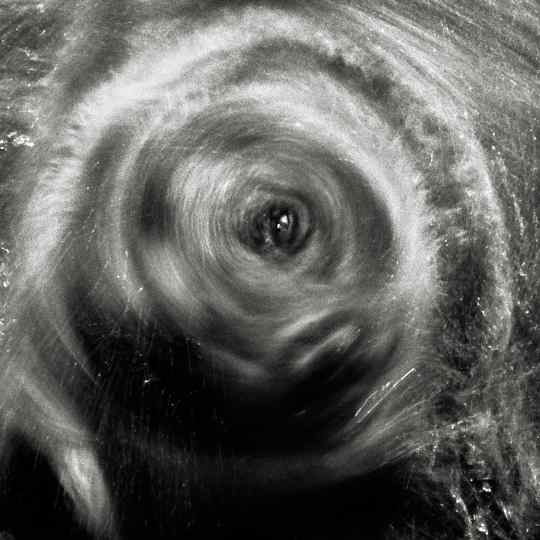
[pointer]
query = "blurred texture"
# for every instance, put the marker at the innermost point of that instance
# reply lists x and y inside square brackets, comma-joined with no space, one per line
[270,269]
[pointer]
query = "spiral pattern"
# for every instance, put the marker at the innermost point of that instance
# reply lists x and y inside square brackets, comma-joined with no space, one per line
[298,192]
[277,191]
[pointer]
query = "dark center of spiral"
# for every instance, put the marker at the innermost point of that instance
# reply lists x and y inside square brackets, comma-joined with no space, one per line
[277,229]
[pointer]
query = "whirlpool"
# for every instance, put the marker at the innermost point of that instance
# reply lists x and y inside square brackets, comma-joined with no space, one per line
[270,269]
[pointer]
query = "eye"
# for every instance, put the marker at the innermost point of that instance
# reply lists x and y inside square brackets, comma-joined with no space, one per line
[279,228]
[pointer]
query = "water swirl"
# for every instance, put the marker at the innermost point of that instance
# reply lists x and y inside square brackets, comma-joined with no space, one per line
[285,203]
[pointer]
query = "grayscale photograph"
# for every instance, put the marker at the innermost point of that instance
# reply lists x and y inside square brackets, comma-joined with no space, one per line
[270,269]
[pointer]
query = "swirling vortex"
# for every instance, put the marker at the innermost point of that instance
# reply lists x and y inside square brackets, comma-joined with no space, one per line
[163,166]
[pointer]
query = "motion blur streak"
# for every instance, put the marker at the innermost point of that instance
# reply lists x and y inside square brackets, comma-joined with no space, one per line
[265,244]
